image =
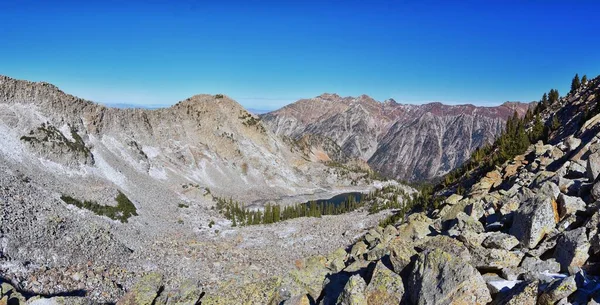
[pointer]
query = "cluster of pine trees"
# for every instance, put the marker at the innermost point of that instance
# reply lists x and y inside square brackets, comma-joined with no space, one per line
[242,216]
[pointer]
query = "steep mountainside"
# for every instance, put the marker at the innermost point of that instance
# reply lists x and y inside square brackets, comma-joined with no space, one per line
[412,142]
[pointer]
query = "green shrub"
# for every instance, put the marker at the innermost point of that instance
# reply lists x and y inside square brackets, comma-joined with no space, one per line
[124,209]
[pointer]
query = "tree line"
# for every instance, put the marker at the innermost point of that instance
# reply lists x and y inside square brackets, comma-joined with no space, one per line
[273,213]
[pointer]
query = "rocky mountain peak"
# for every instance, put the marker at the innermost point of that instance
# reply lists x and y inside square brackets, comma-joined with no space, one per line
[412,142]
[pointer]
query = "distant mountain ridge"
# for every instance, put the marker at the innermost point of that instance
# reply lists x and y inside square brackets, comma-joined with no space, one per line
[404,141]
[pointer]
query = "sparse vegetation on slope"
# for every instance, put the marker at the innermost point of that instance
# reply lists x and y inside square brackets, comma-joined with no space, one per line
[243,216]
[122,212]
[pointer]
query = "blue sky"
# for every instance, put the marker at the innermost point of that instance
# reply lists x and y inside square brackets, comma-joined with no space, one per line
[267,54]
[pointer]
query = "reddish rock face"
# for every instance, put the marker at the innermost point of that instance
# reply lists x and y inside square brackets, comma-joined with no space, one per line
[412,142]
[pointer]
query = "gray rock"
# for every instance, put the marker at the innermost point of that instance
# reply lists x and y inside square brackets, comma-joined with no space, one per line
[494,259]
[534,219]
[401,254]
[572,250]
[385,287]
[441,278]
[557,290]
[522,293]
[354,292]
[572,143]
[379,251]
[416,227]
[576,170]
[358,249]
[568,205]
[499,240]
[463,223]
[535,265]
[593,166]
[446,244]
[549,189]
[596,191]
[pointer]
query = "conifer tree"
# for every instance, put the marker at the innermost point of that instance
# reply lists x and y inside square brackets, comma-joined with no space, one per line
[584,79]
[576,83]
[553,96]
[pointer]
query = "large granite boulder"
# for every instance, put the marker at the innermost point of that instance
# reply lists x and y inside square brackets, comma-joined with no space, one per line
[441,278]
[572,249]
[386,287]
[535,218]
[354,292]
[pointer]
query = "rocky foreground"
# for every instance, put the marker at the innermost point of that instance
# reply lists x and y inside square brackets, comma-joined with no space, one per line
[527,234]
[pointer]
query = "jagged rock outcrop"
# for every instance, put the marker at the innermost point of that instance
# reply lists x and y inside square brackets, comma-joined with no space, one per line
[412,142]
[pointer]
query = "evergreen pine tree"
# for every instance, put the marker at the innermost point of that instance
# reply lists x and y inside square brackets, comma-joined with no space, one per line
[584,79]
[545,98]
[576,83]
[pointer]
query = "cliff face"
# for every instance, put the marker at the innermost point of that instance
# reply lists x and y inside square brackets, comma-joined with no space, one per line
[412,142]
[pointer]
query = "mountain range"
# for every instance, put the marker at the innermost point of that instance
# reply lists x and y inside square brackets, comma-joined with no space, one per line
[408,142]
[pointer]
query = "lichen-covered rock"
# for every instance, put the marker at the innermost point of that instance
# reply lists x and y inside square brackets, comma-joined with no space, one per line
[453,199]
[494,259]
[186,293]
[449,212]
[298,300]
[446,244]
[463,223]
[389,232]
[557,290]
[379,251]
[358,249]
[354,292]
[416,227]
[258,292]
[311,275]
[500,240]
[144,292]
[337,260]
[401,254]
[441,278]
[534,219]
[386,287]
[522,293]
[373,237]
[572,249]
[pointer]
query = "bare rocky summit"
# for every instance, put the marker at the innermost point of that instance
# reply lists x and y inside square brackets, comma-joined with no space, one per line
[409,142]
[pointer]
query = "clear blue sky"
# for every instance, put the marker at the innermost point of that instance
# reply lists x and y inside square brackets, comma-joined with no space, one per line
[266,54]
